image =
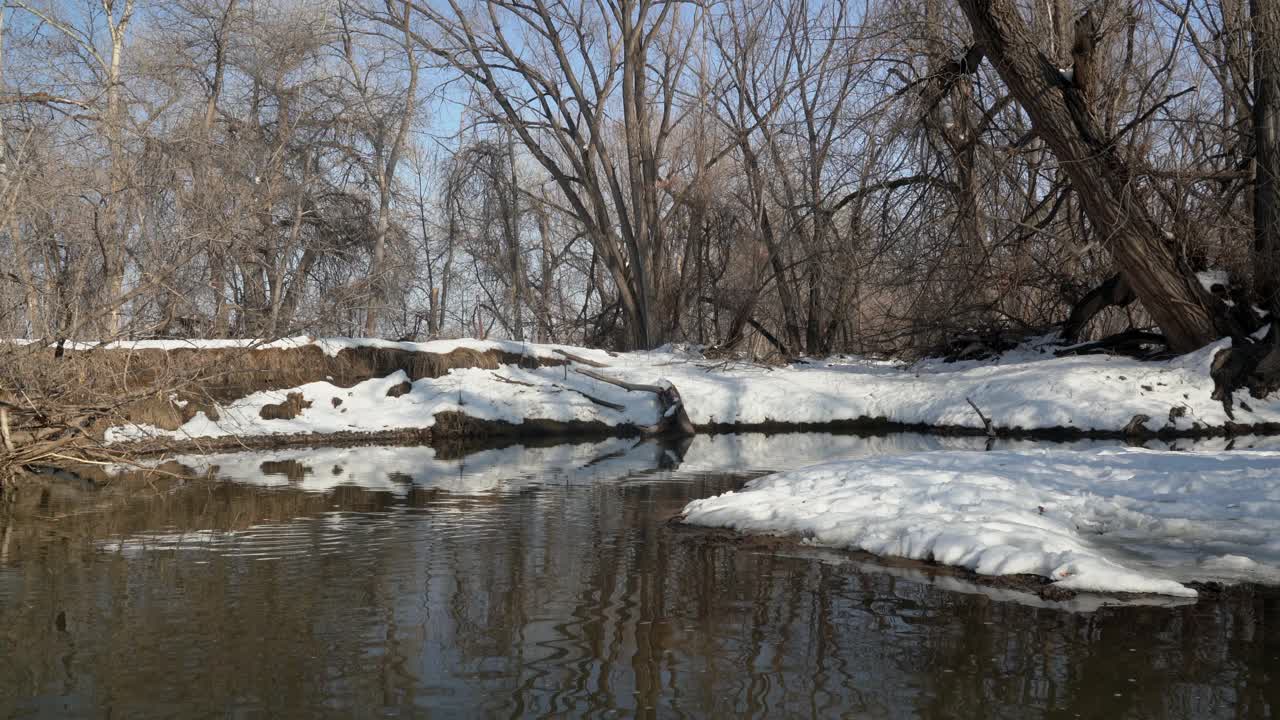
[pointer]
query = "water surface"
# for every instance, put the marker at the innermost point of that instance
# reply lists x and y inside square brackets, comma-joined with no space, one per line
[547,582]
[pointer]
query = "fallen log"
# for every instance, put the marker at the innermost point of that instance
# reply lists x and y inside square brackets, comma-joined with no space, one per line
[579,359]
[672,418]
[986,421]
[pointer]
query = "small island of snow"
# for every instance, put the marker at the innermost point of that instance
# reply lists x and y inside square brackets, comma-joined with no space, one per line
[1115,520]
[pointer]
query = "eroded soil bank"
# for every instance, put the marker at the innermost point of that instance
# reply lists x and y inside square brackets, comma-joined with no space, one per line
[477,388]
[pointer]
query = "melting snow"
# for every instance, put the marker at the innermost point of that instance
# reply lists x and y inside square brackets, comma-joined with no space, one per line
[1120,520]
[1027,389]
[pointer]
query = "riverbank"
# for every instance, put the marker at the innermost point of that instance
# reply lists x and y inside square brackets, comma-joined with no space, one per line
[460,388]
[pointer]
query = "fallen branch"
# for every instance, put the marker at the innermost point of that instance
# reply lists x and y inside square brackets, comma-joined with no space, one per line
[986,423]
[1129,342]
[511,381]
[633,387]
[672,417]
[579,359]
[594,399]
[598,401]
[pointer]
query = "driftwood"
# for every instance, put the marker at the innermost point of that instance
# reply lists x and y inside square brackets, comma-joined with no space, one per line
[986,422]
[672,417]
[598,401]
[579,359]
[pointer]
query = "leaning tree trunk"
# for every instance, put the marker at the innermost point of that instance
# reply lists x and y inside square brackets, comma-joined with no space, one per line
[1110,195]
[1266,138]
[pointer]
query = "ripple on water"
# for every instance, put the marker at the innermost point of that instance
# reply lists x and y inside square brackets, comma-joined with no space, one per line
[548,583]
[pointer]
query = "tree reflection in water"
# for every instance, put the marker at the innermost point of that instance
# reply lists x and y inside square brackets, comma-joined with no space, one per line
[558,589]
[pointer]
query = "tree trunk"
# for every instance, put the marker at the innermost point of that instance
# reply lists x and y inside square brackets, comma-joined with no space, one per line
[1257,366]
[1266,138]
[113,235]
[1111,196]
[386,176]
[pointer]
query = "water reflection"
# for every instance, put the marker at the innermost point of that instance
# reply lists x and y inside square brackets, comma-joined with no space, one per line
[399,470]
[546,582]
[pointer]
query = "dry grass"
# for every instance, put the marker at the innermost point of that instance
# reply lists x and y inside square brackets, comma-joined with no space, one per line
[227,374]
[291,408]
[58,400]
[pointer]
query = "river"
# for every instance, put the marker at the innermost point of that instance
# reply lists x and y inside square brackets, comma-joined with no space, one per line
[550,582]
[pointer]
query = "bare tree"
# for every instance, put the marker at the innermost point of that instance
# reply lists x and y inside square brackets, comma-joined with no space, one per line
[555,87]
[386,111]
[106,96]
[1112,196]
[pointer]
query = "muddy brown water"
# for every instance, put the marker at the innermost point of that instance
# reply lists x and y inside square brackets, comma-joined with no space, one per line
[549,583]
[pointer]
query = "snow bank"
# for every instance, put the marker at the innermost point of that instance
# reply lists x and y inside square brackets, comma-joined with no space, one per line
[1119,520]
[1029,389]
[509,394]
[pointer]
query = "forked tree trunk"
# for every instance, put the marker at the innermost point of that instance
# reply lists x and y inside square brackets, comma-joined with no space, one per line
[1110,195]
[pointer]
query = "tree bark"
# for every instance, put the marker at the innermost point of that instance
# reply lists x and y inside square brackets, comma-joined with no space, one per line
[1110,195]
[114,210]
[387,159]
[1266,138]
[1113,292]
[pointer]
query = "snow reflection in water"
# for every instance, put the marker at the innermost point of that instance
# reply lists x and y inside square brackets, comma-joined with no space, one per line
[546,582]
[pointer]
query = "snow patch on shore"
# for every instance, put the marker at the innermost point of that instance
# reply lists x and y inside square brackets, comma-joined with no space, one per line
[1028,389]
[1117,520]
[509,394]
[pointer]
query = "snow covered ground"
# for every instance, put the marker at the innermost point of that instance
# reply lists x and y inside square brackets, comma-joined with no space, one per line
[1028,389]
[1114,519]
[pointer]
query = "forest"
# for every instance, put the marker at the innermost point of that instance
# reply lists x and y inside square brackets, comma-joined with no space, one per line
[640,358]
[778,178]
